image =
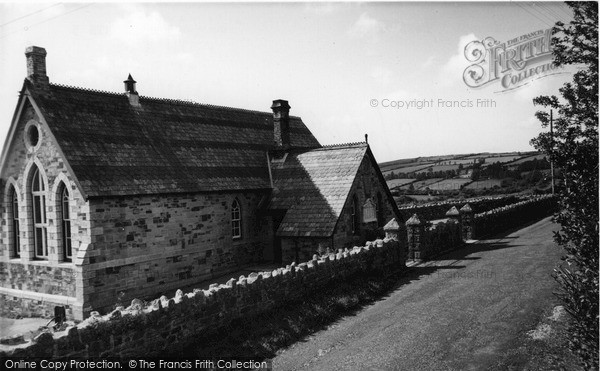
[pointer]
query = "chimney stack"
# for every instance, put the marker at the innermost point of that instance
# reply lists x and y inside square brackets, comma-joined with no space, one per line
[132,94]
[36,66]
[281,123]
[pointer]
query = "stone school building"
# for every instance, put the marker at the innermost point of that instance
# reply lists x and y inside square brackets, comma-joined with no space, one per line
[111,196]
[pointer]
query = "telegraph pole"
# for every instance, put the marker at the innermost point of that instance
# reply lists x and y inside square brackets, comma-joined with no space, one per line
[552,151]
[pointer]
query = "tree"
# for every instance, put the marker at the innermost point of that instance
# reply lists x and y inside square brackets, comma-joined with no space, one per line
[574,148]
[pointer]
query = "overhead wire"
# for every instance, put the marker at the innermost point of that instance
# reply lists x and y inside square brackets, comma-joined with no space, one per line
[29,14]
[26,28]
[544,13]
[533,15]
[536,10]
[555,10]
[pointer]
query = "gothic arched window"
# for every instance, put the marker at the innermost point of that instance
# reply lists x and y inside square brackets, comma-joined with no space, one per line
[65,218]
[38,198]
[236,219]
[14,220]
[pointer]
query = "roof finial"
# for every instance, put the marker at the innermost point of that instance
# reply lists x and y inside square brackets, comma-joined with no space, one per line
[130,85]
[367,138]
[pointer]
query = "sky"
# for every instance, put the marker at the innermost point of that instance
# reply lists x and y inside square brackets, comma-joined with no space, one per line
[347,69]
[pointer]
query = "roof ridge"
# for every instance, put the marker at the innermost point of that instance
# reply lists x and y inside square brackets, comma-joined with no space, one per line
[167,100]
[342,145]
[86,89]
[207,105]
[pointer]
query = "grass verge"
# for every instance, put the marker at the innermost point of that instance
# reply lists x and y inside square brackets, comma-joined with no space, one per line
[261,336]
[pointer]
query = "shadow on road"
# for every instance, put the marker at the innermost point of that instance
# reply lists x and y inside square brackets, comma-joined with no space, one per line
[263,335]
[444,260]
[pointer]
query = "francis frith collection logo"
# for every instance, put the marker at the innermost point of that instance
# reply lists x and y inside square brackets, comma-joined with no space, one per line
[513,63]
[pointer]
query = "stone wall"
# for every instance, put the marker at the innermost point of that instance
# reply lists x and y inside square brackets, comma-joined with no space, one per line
[367,184]
[437,210]
[147,245]
[514,215]
[425,241]
[303,248]
[164,325]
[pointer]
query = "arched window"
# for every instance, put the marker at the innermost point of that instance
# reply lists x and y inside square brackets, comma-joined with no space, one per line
[65,217]
[355,216]
[236,219]
[14,220]
[38,198]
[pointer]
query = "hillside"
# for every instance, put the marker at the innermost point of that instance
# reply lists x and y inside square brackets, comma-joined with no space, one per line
[463,175]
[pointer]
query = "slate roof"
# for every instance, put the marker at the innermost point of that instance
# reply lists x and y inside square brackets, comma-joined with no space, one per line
[163,146]
[313,186]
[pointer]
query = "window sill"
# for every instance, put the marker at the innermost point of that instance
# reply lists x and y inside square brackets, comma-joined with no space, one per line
[38,262]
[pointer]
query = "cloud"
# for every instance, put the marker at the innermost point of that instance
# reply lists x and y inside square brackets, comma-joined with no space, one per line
[429,62]
[381,74]
[452,71]
[366,27]
[142,26]
[319,8]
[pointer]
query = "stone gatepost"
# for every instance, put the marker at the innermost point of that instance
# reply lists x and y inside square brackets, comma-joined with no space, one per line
[454,217]
[392,230]
[414,232]
[466,216]
[453,214]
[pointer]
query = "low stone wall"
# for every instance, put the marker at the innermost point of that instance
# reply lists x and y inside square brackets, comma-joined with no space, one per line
[437,210]
[512,216]
[425,241]
[165,325]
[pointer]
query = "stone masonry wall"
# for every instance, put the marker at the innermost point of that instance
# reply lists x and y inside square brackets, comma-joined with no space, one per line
[59,281]
[148,245]
[165,324]
[302,248]
[366,185]
[514,215]
[424,242]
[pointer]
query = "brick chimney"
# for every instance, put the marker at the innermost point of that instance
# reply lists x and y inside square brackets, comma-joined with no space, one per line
[36,66]
[132,94]
[281,123]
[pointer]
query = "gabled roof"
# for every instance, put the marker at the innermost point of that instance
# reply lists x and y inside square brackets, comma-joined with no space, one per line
[162,146]
[313,185]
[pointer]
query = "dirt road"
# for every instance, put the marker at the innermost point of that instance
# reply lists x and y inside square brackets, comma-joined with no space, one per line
[466,311]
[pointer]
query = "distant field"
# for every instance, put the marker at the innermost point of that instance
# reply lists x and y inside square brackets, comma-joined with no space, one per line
[481,184]
[479,155]
[422,184]
[463,161]
[502,159]
[449,184]
[421,197]
[393,183]
[392,165]
[410,169]
[451,162]
[530,158]
[439,168]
